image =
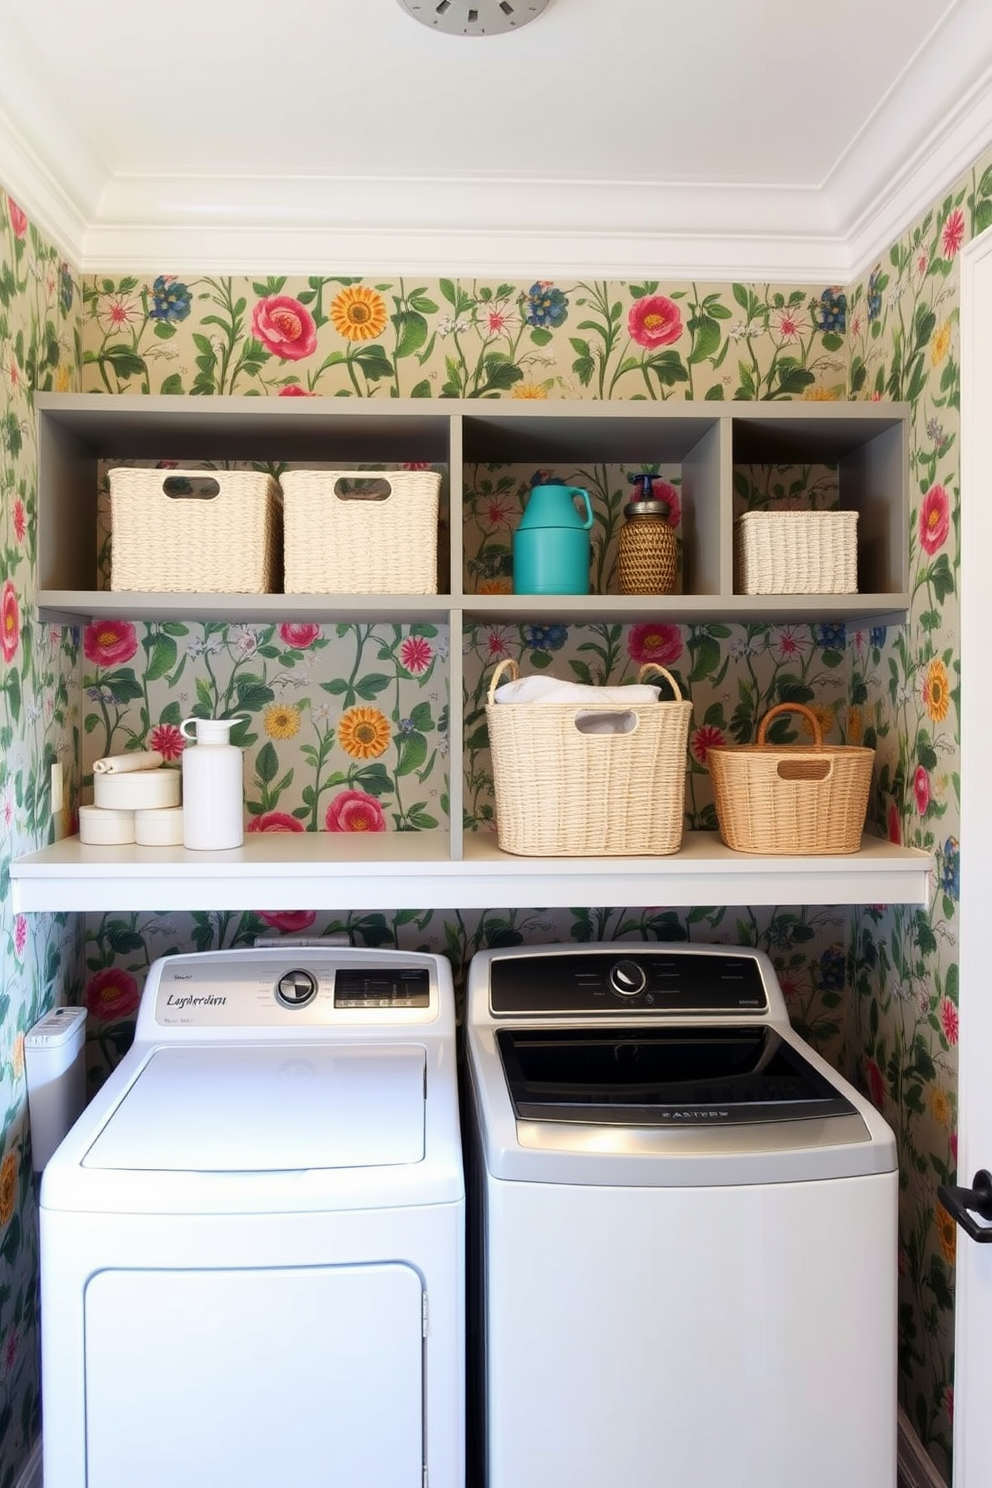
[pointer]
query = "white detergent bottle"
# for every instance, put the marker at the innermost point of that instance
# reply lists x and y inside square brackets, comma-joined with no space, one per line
[213,786]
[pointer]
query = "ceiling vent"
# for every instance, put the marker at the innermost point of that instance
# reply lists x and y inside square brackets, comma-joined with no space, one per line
[474,17]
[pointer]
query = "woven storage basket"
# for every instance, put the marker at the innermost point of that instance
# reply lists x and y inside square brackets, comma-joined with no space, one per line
[346,543]
[190,541]
[564,792]
[791,798]
[797,552]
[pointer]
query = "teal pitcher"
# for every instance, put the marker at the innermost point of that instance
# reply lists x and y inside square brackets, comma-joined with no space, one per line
[551,546]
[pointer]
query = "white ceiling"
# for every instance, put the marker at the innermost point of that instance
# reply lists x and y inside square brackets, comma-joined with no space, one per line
[772,138]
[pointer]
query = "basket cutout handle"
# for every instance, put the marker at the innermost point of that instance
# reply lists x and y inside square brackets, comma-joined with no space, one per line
[191,487]
[656,666]
[506,665]
[606,721]
[359,486]
[807,713]
[805,769]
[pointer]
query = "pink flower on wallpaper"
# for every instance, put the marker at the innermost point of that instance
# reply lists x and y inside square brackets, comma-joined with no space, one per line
[416,654]
[299,633]
[704,739]
[654,642]
[935,519]
[275,821]
[20,934]
[18,221]
[20,521]
[894,824]
[662,490]
[290,920]
[496,644]
[921,789]
[109,642]
[168,740]
[293,390]
[654,321]
[284,327]
[952,233]
[112,994]
[948,1015]
[354,811]
[876,1083]
[10,622]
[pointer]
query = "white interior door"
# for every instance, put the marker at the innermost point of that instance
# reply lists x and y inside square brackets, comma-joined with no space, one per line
[973,1316]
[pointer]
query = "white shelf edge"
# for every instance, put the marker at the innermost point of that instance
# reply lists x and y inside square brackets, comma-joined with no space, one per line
[78,606]
[319,871]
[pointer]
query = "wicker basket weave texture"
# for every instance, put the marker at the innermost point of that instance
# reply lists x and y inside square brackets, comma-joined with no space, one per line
[337,543]
[227,544]
[647,557]
[797,552]
[561,792]
[791,798]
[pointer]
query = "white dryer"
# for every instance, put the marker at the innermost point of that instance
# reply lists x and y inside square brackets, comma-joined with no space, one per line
[252,1240]
[682,1230]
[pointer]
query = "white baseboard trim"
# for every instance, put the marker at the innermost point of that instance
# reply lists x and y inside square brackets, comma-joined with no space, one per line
[915,1468]
[31,1476]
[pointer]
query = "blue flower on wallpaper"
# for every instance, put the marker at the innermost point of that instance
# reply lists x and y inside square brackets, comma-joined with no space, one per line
[950,868]
[545,637]
[832,969]
[547,305]
[831,311]
[874,293]
[831,637]
[171,300]
[877,635]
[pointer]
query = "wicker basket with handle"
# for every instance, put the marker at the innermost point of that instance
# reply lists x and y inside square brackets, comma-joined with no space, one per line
[343,536]
[791,798]
[193,531]
[565,789]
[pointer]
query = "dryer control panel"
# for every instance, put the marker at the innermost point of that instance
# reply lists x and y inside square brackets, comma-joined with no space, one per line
[613,978]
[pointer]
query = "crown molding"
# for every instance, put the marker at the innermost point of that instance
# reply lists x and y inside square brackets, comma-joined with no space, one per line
[39,193]
[938,143]
[939,114]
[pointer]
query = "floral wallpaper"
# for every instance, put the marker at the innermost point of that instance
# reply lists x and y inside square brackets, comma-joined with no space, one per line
[347,726]
[39,724]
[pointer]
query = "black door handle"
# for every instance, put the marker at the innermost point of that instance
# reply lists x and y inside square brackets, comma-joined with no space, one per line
[962,1204]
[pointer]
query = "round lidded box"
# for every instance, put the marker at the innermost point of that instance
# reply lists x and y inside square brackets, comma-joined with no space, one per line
[99,826]
[161,828]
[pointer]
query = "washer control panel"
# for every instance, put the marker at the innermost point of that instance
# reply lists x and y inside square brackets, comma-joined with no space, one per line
[611,978]
[314,991]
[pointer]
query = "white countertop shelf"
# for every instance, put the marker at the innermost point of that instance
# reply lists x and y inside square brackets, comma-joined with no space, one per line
[413,870]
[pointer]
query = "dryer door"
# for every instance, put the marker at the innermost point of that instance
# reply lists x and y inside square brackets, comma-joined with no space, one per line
[306,1376]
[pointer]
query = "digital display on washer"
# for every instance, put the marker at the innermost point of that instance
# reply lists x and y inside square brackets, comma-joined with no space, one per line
[617,976]
[381,987]
[662,1077]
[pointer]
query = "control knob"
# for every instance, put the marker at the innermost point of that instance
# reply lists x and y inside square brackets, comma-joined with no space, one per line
[628,978]
[295,989]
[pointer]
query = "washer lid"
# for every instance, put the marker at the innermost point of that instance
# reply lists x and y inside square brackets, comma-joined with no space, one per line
[268,1109]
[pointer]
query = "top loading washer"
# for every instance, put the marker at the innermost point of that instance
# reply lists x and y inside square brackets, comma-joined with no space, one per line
[252,1241]
[683,1229]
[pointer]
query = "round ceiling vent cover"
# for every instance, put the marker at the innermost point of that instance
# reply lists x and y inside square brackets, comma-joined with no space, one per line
[474,17]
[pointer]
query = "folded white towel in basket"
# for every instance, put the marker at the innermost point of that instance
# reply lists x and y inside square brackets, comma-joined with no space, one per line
[554,690]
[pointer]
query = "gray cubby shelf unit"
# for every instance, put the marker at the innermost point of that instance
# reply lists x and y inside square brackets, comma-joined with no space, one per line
[865,446]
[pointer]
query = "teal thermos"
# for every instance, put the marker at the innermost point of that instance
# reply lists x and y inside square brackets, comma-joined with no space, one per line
[551,547]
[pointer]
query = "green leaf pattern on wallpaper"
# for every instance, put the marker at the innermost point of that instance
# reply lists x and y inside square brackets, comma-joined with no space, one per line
[347,725]
[39,307]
